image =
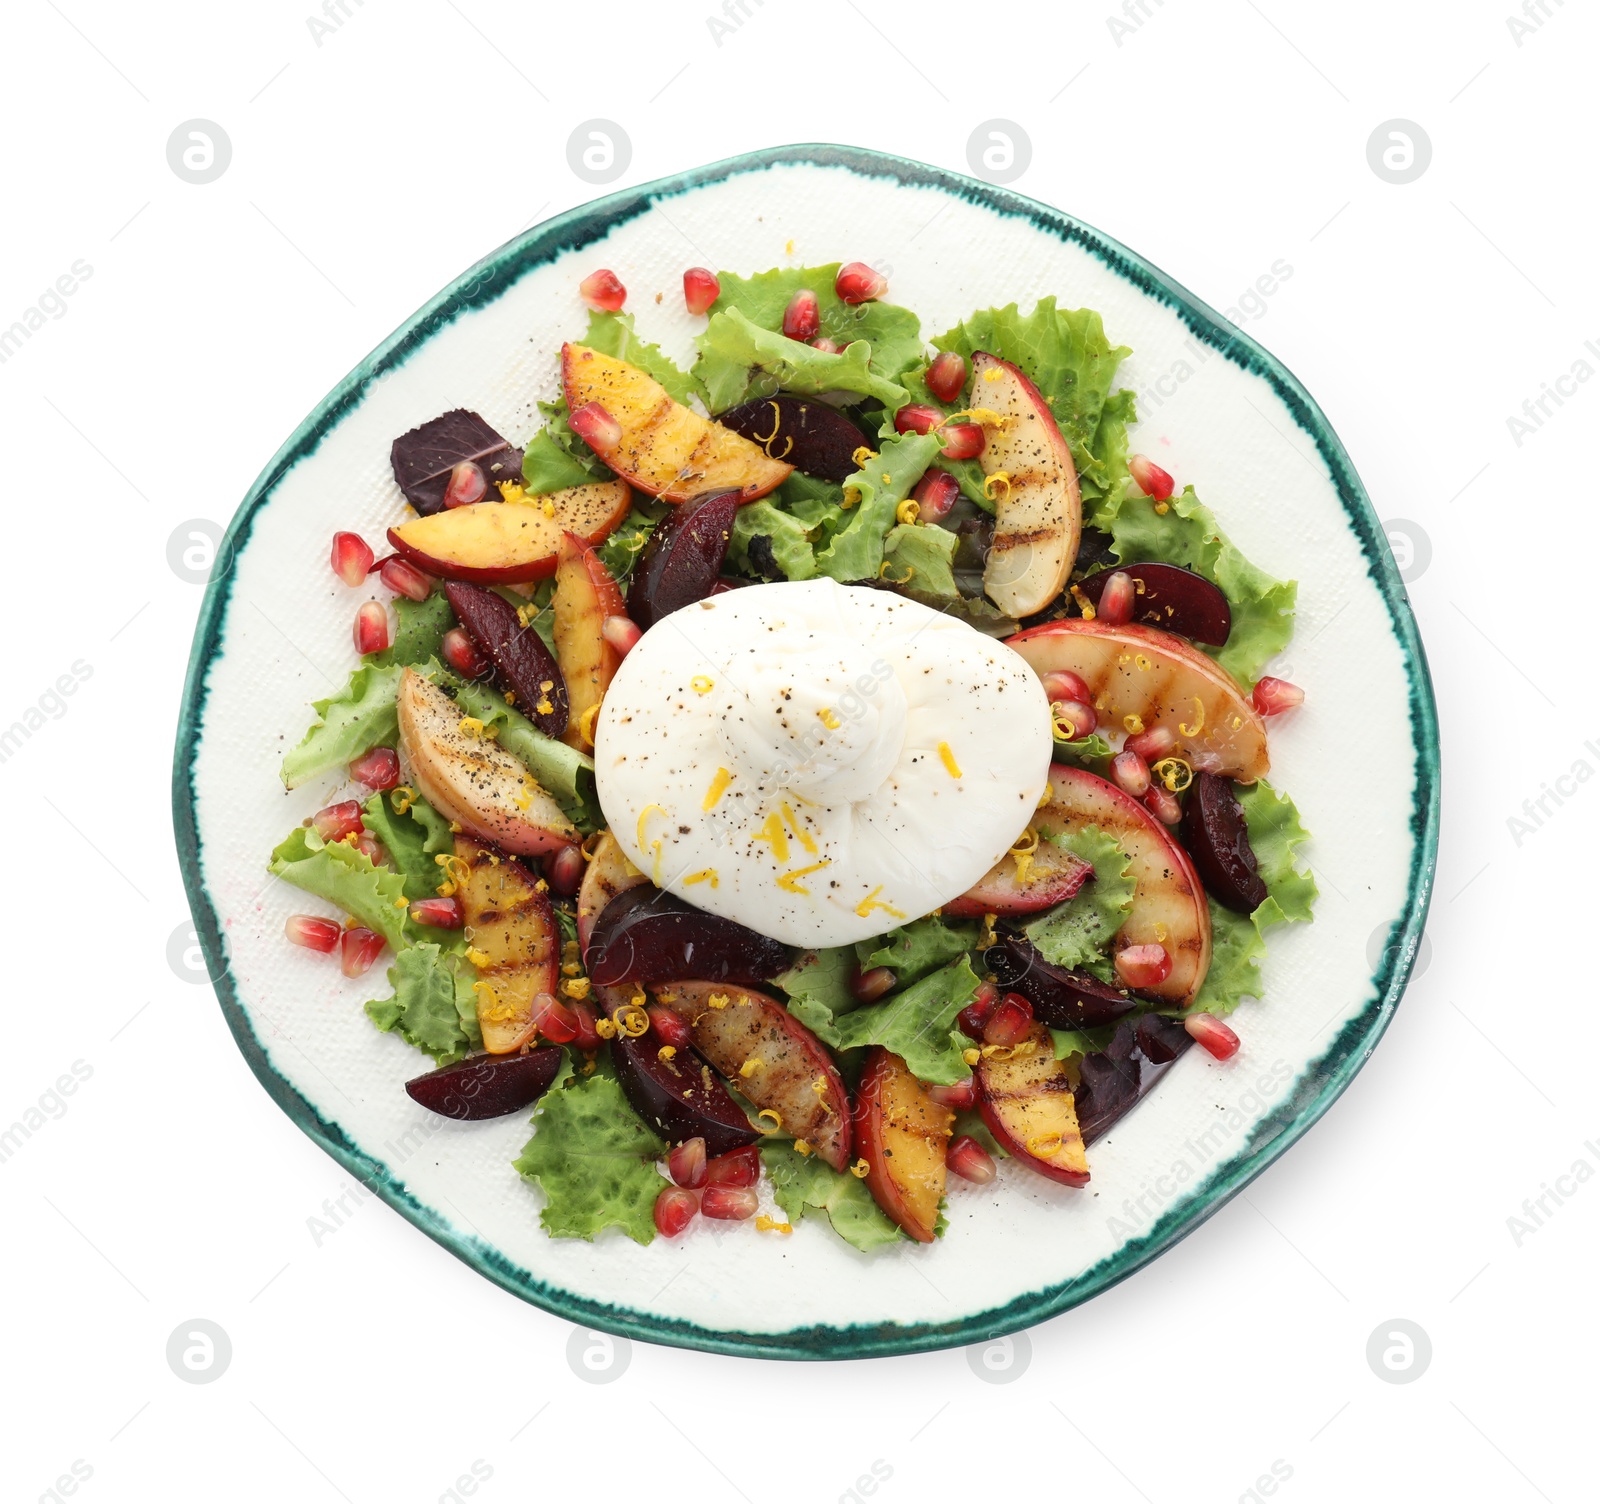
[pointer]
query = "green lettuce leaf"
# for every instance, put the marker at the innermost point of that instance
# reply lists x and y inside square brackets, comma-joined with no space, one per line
[1071,1042]
[818,989]
[816,502]
[802,1184]
[918,1023]
[419,633]
[787,538]
[924,945]
[434,1007]
[361,716]
[412,841]
[856,552]
[920,556]
[375,896]
[620,552]
[556,457]
[595,1162]
[1187,534]
[613,334]
[1076,934]
[1092,752]
[733,349]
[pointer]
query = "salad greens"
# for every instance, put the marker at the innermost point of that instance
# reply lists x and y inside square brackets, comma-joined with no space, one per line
[434,1006]
[802,1184]
[919,1024]
[1077,934]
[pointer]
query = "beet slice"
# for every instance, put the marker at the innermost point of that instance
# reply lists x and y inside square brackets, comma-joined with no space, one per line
[1061,999]
[647,935]
[811,436]
[486,1086]
[523,664]
[1218,842]
[1174,599]
[424,458]
[1115,1080]
[683,560]
[680,1097]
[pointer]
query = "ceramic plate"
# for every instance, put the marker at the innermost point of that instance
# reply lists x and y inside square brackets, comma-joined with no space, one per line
[1216,409]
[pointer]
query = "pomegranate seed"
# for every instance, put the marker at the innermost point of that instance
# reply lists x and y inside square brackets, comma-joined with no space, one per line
[1074,718]
[1274,696]
[826,345]
[1163,804]
[935,494]
[738,1167]
[963,441]
[1143,965]
[1063,684]
[467,485]
[372,628]
[1010,1021]
[313,933]
[621,633]
[338,820]
[603,291]
[588,1036]
[554,1019]
[351,558]
[946,376]
[1150,477]
[869,986]
[972,1019]
[917,417]
[379,769]
[957,1098]
[968,1158]
[675,1210]
[441,913]
[1116,600]
[406,579]
[669,1028]
[358,949]
[727,1203]
[802,319]
[686,1163]
[462,654]
[1212,1035]
[368,845]
[1152,745]
[858,283]
[1131,774]
[563,870]
[700,289]
[596,427]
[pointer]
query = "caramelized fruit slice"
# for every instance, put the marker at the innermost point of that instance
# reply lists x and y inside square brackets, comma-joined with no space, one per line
[608,873]
[510,925]
[1052,876]
[1026,1100]
[903,1135]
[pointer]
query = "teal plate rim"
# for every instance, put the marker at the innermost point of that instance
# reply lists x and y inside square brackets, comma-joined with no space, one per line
[1318,1086]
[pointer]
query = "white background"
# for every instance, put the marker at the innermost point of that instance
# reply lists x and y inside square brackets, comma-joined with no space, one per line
[367,171]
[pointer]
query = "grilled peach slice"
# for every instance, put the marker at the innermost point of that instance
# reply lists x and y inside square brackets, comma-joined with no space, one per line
[776,1062]
[609,873]
[511,929]
[1023,883]
[1141,677]
[1169,905]
[1038,514]
[473,782]
[657,444]
[585,595]
[902,1133]
[511,542]
[1026,1100]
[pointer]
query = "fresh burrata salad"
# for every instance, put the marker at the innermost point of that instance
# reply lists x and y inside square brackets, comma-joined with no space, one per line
[821,781]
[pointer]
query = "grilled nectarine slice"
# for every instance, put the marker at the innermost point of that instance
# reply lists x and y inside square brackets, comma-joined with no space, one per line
[609,873]
[510,924]
[902,1133]
[1023,883]
[1026,1100]
[585,595]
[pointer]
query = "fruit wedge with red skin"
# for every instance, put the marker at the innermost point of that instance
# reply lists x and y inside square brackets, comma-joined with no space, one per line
[1113,1081]
[683,559]
[423,459]
[1169,904]
[1172,598]
[486,1086]
[903,1135]
[811,436]
[1061,998]
[510,925]
[1038,513]
[511,542]
[608,873]
[1025,1097]
[470,781]
[679,1096]
[1053,876]
[1218,841]
[522,663]
[1141,677]
[585,595]
[661,446]
[647,935]
[777,1063]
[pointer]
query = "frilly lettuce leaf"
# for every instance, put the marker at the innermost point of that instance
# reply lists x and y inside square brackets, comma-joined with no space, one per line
[555,457]
[1077,933]
[1092,752]
[740,361]
[434,1007]
[919,557]
[361,716]
[620,552]
[802,1183]
[918,1024]
[375,896]
[915,949]
[412,841]
[419,632]
[818,989]
[856,551]
[787,544]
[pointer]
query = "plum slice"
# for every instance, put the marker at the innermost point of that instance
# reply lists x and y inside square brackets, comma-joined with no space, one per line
[681,1097]
[647,935]
[486,1086]
[1061,999]
[424,458]
[682,562]
[1111,1082]
[1175,599]
[811,436]
[522,662]
[1218,843]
